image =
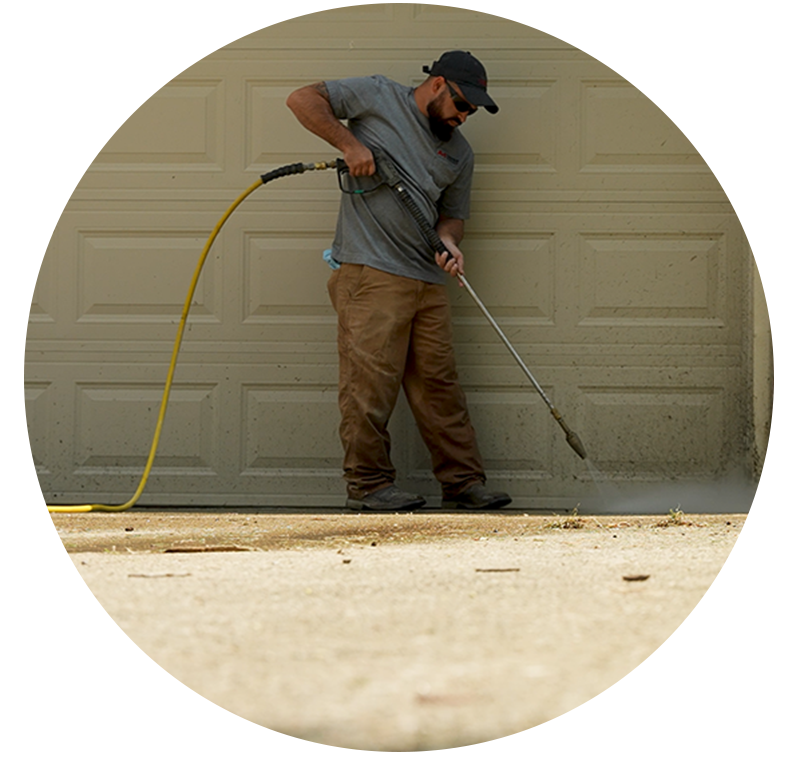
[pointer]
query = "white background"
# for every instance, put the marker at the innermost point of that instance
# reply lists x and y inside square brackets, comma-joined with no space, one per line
[724,683]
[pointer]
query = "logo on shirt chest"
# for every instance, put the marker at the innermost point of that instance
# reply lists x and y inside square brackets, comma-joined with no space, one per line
[449,158]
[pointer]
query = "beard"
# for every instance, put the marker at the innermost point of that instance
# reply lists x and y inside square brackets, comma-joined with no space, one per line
[441,127]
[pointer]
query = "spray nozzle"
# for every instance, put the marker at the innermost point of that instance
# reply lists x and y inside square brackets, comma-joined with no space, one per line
[574,441]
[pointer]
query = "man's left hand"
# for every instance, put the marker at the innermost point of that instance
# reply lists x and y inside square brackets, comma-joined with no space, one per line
[452,263]
[451,232]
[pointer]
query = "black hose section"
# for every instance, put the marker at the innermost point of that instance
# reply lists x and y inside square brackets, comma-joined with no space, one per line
[424,226]
[391,179]
[288,170]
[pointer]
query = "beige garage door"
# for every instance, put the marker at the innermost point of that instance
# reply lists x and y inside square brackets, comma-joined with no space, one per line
[600,241]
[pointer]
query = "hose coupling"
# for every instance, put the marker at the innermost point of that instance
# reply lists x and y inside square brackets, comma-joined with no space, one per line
[319,166]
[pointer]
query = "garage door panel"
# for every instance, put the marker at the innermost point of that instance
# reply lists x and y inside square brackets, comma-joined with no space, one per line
[132,276]
[39,410]
[115,422]
[534,149]
[622,277]
[673,279]
[514,433]
[290,429]
[659,278]
[132,270]
[516,275]
[286,278]
[44,302]
[624,131]
[607,136]
[180,128]
[648,432]
[271,134]
[515,436]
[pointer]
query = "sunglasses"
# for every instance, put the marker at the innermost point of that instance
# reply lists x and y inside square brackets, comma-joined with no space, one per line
[462,106]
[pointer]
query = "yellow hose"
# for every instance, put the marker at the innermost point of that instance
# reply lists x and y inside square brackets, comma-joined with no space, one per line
[165,399]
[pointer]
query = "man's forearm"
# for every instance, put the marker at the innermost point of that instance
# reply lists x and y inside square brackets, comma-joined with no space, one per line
[312,107]
[450,229]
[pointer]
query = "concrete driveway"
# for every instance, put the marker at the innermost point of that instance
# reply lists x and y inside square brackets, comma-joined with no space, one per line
[400,632]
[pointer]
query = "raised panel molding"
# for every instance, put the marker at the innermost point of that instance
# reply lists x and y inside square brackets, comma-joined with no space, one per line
[115,422]
[271,131]
[652,279]
[621,130]
[180,128]
[529,111]
[39,412]
[515,434]
[653,431]
[45,293]
[135,277]
[285,279]
[290,432]
[516,274]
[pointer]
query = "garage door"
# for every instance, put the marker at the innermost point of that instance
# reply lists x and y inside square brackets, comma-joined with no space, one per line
[600,241]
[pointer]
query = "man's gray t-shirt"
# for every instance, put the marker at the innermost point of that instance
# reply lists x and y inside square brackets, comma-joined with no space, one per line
[374,229]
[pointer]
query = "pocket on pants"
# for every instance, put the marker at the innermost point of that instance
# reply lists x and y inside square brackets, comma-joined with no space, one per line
[344,283]
[333,281]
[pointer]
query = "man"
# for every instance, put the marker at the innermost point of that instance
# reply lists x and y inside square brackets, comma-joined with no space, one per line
[388,291]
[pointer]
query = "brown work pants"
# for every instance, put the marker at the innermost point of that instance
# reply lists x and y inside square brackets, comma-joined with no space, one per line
[397,331]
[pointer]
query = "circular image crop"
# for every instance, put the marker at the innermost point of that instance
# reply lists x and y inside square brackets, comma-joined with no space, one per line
[245,279]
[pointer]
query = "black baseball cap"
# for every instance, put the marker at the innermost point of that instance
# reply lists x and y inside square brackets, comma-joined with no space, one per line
[468,72]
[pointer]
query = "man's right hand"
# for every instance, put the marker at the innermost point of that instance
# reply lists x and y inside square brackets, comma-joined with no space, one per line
[359,158]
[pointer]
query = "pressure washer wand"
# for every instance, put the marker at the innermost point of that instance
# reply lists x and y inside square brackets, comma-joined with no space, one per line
[572,438]
[393,179]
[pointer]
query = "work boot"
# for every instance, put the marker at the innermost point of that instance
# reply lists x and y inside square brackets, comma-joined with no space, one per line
[389,499]
[477,497]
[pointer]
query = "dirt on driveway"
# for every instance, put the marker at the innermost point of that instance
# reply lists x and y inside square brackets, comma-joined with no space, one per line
[398,632]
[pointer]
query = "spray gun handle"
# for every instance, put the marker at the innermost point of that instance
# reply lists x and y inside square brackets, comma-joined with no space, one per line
[350,185]
[384,168]
[390,176]
[342,176]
